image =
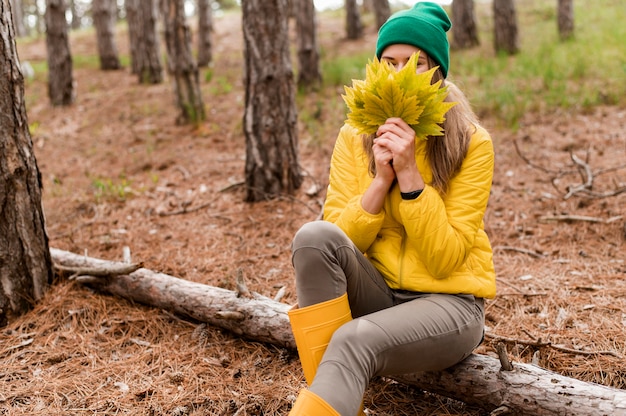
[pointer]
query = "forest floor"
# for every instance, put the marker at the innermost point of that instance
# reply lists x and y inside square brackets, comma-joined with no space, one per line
[118,172]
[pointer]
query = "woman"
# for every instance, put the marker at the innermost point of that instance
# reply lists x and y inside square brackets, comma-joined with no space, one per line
[402,248]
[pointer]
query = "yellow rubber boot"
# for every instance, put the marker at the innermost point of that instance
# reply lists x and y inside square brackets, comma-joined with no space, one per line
[312,328]
[310,404]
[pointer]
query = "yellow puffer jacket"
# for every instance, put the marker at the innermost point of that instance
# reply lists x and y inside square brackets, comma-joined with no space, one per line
[430,244]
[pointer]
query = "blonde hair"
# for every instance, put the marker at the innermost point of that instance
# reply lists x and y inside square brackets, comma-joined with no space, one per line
[445,153]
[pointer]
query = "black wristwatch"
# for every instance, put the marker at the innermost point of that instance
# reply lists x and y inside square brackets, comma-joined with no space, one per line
[407,196]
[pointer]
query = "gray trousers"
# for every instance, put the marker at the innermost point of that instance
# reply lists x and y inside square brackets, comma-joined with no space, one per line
[393,332]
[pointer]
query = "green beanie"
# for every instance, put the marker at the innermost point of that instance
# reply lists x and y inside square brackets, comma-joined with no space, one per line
[423,26]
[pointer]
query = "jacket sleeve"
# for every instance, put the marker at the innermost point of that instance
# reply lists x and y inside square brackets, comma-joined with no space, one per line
[444,230]
[345,188]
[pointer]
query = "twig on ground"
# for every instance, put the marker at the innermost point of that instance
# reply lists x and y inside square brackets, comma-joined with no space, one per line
[540,343]
[585,171]
[112,269]
[580,218]
[531,253]
[533,165]
[185,210]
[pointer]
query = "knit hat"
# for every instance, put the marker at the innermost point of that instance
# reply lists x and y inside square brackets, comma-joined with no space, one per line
[423,26]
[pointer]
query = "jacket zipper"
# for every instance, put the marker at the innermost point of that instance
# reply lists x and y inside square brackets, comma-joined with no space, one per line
[402,257]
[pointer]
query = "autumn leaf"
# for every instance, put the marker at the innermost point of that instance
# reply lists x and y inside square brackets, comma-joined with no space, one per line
[387,93]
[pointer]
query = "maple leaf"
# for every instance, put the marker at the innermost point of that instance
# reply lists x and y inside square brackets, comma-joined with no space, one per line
[387,93]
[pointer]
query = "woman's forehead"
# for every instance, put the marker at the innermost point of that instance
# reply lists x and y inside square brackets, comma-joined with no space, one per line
[401,50]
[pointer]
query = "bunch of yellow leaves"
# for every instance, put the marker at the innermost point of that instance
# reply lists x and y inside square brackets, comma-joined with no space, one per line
[387,93]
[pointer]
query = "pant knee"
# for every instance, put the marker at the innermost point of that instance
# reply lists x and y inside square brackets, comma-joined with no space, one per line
[355,345]
[315,234]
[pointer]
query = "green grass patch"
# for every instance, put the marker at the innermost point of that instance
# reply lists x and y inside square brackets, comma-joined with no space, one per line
[86,62]
[341,70]
[109,189]
[547,73]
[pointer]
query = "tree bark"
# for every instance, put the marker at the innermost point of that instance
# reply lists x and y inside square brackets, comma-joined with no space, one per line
[134,25]
[505,27]
[382,11]
[25,262]
[270,117]
[526,390]
[149,67]
[104,16]
[464,30]
[205,33]
[252,316]
[354,26]
[566,19]
[479,380]
[76,15]
[309,74]
[181,63]
[60,79]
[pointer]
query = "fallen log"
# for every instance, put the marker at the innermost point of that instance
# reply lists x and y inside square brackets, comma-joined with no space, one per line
[479,380]
[249,315]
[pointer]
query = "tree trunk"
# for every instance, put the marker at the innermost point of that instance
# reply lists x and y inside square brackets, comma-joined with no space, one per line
[505,27]
[464,31]
[526,390]
[566,19]
[309,75]
[134,25]
[354,26]
[205,31]
[17,8]
[104,16]
[25,262]
[76,16]
[270,117]
[382,11]
[479,380]
[60,80]
[181,63]
[150,70]
[252,316]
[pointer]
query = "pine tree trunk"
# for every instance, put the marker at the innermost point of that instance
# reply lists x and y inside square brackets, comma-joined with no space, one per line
[150,69]
[309,75]
[40,21]
[134,27]
[566,19]
[104,17]
[76,16]
[181,63]
[505,27]
[60,80]
[270,116]
[205,31]
[354,26]
[17,8]
[25,262]
[382,11]
[464,30]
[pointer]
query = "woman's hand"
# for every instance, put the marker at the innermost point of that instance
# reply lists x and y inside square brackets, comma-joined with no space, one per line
[398,138]
[383,158]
